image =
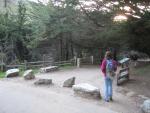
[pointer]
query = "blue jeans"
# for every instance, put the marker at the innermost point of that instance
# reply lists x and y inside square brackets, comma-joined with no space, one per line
[108,88]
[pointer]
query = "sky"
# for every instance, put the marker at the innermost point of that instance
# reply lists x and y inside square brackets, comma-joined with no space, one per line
[117,18]
[44,1]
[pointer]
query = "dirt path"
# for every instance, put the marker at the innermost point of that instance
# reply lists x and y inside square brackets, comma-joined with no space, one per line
[139,82]
[20,96]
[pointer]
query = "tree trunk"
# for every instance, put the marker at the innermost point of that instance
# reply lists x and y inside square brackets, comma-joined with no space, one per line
[61,49]
[67,49]
[71,48]
[5,3]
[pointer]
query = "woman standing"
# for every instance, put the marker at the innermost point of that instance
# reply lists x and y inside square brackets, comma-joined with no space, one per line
[108,67]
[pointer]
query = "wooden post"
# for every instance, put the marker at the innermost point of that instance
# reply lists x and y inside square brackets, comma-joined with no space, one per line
[92,59]
[2,64]
[43,60]
[78,62]
[75,60]
[25,64]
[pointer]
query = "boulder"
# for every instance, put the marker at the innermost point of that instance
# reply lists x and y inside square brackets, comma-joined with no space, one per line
[12,73]
[87,90]
[146,106]
[49,69]
[69,82]
[28,75]
[43,82]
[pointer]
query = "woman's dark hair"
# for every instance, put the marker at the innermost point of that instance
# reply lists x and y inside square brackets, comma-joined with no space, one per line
[108,55]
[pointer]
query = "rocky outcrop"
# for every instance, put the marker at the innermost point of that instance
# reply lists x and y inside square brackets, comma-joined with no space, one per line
[28,75]
[146,106]
[69,82]
[12,73]
[87,90]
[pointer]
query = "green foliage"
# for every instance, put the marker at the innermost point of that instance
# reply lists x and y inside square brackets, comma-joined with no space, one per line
[74,25]
[66,67]
[138,33]
[87,29]
[14,32]
[2,74]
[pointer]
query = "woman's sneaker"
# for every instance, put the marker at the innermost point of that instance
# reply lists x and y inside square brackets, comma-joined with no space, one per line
[106,100]
[111,99]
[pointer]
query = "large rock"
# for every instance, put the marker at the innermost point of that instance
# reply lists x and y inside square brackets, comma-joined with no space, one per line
[87,90]
[12,73]
[28,75]
[69,82]
[146,106]
[43,82]
[49,69]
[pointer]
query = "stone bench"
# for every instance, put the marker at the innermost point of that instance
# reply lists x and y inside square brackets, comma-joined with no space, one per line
[28,74]
[49,69]
[12,73]
[87,90]
[69,82]
[43,82]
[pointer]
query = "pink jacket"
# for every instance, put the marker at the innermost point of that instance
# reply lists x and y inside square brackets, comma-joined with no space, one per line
[103,66]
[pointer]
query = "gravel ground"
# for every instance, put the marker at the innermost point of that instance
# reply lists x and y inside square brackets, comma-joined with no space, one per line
[20,96]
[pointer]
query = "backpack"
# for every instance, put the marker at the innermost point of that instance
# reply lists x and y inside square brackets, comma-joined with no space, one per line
[110,69]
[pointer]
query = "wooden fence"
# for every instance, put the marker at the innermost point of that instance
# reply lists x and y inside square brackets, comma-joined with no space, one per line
[87,60]
[39,64]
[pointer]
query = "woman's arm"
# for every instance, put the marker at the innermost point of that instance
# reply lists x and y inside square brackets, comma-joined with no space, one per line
[103,66]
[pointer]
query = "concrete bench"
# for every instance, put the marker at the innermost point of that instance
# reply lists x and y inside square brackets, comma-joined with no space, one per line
[12,73]
[49,69]
[86,90]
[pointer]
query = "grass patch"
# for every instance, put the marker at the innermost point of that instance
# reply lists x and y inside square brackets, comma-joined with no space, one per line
[35,70]
[21,73]
[2,74]
[66,66]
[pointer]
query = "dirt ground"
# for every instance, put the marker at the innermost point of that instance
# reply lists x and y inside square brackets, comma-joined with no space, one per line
[139,81]
[20,96]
